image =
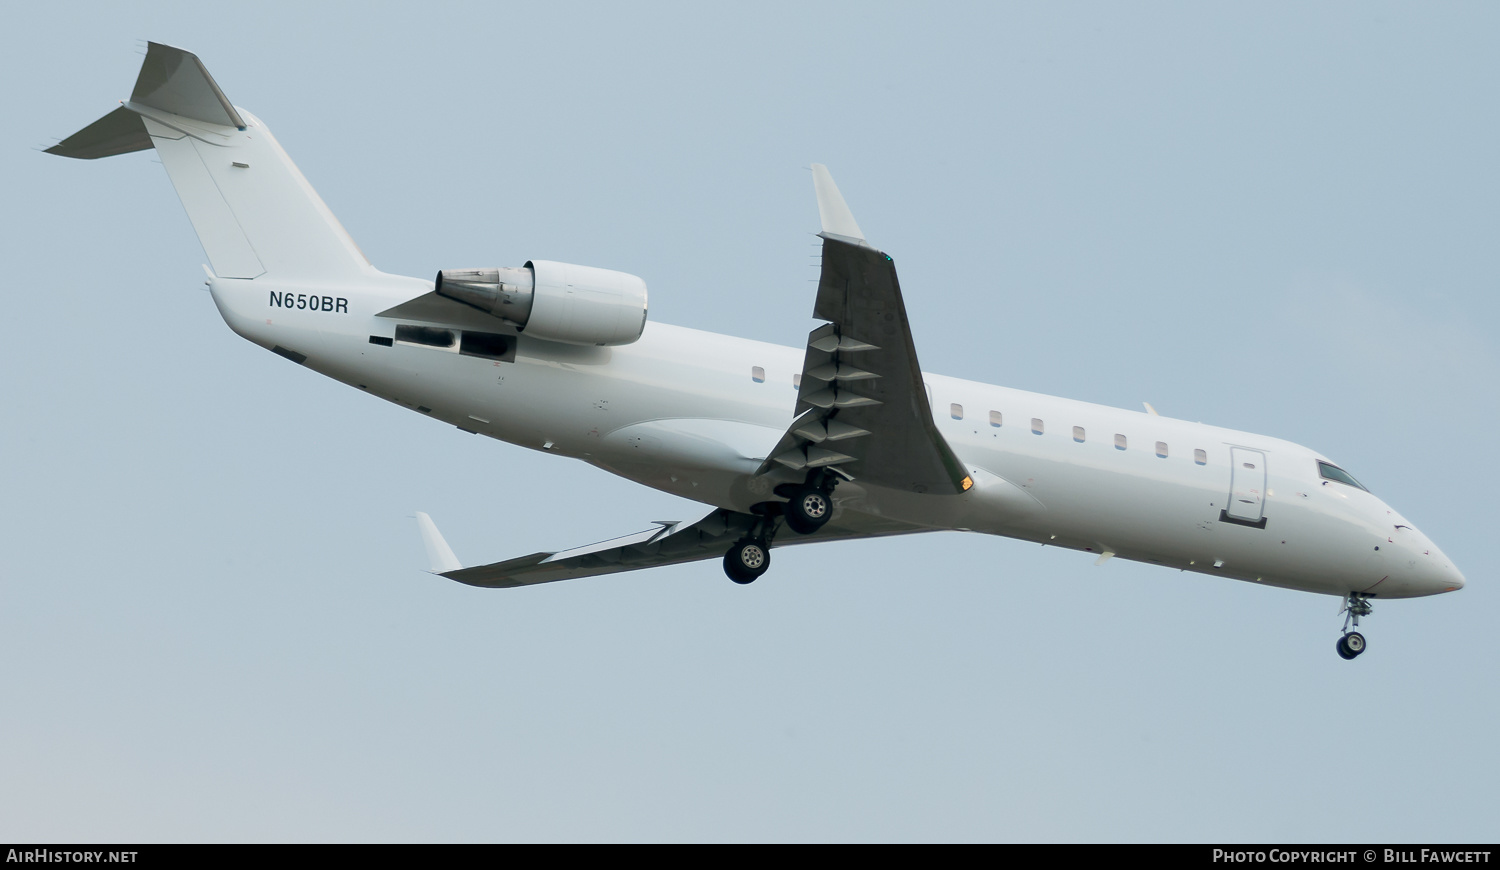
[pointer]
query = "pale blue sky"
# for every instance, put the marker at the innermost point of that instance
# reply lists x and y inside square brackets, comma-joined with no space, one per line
[1277,217]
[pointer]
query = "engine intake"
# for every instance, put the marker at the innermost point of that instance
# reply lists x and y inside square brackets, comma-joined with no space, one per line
[554,301]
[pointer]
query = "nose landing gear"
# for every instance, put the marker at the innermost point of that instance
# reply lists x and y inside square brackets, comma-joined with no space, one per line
[1352,643]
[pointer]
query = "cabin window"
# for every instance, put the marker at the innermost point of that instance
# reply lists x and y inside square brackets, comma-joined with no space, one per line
[995,419]
[1332,472]
[1200,457]
[956,411]
[1119,442]
[1161,450]
[487,345]
[1036,426]
[426,335]
[757,374]
[797,381]
[1078,434]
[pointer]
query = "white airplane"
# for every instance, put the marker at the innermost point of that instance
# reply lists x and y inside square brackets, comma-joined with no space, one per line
[562,359]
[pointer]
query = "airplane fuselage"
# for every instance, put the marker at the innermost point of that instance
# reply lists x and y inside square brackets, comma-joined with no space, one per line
[694,413]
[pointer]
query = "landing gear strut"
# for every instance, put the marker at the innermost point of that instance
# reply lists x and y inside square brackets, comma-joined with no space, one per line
[1353,643]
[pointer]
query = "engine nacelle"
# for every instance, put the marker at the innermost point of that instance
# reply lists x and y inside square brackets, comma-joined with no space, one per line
[555,301]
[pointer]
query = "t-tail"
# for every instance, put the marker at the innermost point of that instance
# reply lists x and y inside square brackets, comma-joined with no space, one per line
[253,211]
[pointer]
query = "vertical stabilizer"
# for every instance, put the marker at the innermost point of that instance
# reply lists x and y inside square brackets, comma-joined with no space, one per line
[254,212]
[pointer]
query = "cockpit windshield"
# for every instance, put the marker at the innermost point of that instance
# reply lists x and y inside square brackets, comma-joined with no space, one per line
[1329,471]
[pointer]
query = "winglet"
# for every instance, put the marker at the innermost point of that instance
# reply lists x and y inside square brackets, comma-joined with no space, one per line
[440,556]
[834,213]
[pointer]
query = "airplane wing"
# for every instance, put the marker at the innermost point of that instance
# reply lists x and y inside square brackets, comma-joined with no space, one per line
[668,544]
[862,413]
[862,409]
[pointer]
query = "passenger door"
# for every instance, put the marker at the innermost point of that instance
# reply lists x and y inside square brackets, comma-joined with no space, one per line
[1247,487]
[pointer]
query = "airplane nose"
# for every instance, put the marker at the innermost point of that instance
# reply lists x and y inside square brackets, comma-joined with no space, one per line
[1431,572]
[1438,574]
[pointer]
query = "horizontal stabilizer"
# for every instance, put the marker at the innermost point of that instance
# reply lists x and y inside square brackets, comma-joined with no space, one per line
[171,80]
[176,81]
[119,132]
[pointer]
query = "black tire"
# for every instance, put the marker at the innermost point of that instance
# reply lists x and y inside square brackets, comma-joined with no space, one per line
[1354,642]
[1343,650]
[746,561]
[808,510]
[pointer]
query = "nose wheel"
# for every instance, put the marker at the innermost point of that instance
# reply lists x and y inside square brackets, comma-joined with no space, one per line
[1353,643]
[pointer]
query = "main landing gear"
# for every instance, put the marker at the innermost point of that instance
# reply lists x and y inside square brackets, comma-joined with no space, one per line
[1353,643]
[750,556]
[808,508]
[809,505]
[747,559]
